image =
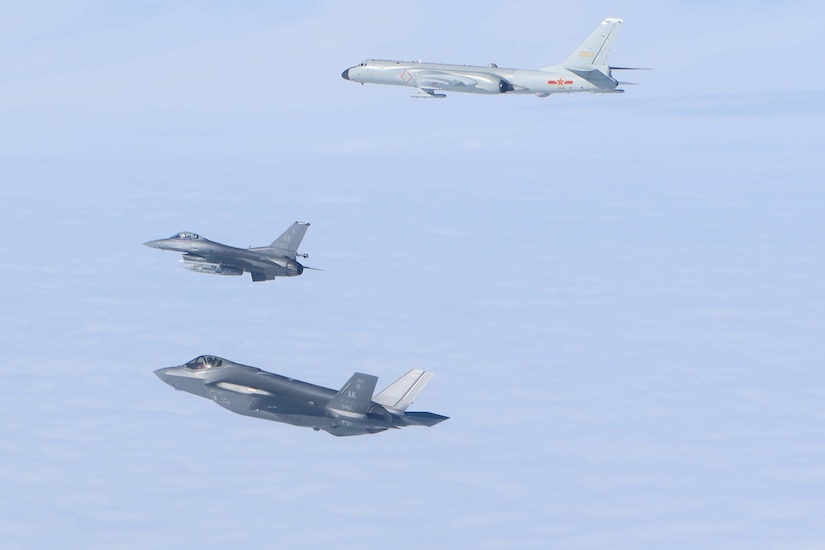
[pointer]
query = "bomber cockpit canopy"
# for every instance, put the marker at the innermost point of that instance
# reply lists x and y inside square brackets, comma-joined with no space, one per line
[205,362]
[185,235]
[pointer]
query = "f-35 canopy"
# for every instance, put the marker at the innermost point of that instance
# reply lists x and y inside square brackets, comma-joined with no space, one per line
[205,362]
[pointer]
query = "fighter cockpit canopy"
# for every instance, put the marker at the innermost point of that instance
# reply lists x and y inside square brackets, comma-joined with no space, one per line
[185,235]
[205,362]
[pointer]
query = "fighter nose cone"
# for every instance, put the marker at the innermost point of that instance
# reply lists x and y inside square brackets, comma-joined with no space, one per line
[161,373]
[345,75]
[152,244]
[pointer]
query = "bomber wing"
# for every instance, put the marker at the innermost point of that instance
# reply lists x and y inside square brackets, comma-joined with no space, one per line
[442,80]
[480,82]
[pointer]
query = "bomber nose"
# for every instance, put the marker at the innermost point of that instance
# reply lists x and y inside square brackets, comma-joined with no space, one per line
[345,74]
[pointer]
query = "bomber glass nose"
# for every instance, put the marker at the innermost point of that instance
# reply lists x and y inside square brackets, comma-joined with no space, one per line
[345,75]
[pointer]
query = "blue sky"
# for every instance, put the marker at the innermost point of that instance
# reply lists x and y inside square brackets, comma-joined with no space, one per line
[621,296]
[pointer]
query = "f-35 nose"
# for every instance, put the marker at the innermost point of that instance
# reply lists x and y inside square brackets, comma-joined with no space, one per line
[161,373]
[345,74]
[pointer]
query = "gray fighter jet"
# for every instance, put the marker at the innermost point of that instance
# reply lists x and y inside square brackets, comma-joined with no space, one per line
[351,411]
[264,263]
[586,70]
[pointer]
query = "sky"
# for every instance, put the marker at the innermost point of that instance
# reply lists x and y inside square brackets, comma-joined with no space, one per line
[621,295]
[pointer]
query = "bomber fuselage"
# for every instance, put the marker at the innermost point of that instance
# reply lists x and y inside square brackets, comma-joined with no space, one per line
[474,79]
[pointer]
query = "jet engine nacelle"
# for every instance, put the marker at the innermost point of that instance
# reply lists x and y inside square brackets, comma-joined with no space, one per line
[492,85]
[212,269]
[290,265]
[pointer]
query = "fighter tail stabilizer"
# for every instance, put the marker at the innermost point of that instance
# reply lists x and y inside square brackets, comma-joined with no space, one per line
[355,397]
[400,394]
[290,240]
[423,419]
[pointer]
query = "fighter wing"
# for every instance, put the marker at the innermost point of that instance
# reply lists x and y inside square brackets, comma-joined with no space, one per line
[236,397]
[262,268]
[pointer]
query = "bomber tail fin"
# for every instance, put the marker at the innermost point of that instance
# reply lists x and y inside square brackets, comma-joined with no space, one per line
[355,397]
[290,240]
[400,394]
[595,49]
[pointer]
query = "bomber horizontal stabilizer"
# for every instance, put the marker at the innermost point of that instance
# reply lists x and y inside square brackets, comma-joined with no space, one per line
[595,77]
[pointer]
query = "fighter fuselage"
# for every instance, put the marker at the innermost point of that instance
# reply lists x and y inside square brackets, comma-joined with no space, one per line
[253,392]
[205,256]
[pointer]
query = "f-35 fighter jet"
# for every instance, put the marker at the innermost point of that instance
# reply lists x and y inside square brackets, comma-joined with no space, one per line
[351,411]
[264,263]
[586,70]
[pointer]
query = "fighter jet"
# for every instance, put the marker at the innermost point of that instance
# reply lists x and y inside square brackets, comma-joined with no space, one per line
[264,263]
[351,411]
[586,70]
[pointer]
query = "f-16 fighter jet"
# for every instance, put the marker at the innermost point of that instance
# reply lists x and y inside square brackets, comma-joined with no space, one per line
[264,263]
[586,70]
[351,411]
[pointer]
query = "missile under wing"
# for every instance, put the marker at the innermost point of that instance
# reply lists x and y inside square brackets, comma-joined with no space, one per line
[352,410]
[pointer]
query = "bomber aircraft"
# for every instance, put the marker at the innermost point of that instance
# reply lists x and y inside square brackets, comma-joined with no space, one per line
[586,70]
[264,263]
[353,410]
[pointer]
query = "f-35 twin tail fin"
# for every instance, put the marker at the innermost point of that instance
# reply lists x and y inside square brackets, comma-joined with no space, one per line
[355,397]
[400,394]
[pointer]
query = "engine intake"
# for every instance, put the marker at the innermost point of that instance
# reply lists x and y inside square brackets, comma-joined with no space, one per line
[504,86]
[490,84]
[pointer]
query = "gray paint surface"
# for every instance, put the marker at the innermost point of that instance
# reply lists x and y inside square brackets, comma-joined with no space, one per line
[585,70]
[622,295]
[263,263]
[251,391]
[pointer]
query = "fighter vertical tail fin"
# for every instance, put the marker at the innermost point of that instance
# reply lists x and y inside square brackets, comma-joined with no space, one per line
[400,394]
[355,397]
[595,49]
[290,240]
